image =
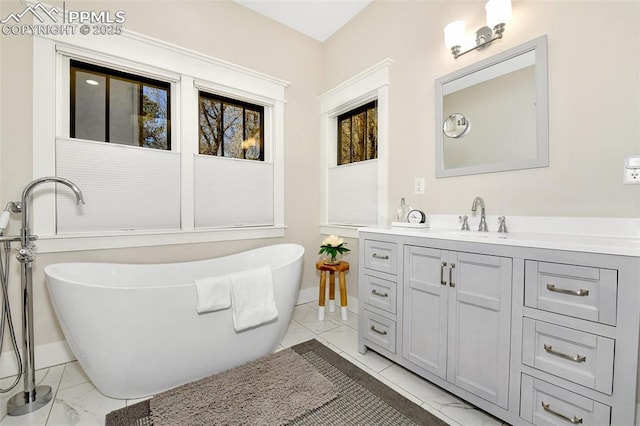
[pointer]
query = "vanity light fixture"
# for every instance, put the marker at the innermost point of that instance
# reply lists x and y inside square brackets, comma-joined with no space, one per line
[498,15]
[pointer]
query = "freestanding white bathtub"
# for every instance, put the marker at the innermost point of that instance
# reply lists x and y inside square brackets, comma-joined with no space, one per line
[134,327]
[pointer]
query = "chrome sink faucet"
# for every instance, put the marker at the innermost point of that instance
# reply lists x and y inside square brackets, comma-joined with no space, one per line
[483,218]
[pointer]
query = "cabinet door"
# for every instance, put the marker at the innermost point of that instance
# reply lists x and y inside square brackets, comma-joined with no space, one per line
[479,325]
[425,310]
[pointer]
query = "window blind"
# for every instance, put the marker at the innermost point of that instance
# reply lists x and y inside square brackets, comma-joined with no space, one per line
[125,188]
[231,192]
[353,194]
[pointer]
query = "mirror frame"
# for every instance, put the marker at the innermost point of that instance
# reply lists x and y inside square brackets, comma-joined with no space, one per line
[539,46]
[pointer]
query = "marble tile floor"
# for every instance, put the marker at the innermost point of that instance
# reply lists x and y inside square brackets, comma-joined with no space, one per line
[77,402]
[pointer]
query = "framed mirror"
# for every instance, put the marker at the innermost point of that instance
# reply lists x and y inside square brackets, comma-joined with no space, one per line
[494,115]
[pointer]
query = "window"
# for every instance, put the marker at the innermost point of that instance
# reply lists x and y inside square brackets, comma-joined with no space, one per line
[230,128]
[354,161]
[358,134]
[117,107]
[136,196]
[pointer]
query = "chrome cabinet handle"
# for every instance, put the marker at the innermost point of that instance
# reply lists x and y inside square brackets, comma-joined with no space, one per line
[442,266]
[573,420]
[581,292]
[375,330]
[451,268]
[376,293]
[377,256]
[577,358]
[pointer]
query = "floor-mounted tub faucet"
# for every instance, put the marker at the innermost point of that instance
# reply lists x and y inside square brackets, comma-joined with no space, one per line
[32,397]
[483,218]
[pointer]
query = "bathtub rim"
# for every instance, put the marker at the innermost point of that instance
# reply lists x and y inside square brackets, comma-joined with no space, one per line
[52,271]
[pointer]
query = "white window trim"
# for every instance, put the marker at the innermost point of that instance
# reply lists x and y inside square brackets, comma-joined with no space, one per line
[372,83]
[184,68]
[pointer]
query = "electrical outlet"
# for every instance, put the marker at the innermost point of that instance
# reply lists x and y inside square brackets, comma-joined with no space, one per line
[632,176]
[418,186]
[632,170]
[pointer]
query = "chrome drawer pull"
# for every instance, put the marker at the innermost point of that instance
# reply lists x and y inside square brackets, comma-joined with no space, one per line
[573,420]
[581,292]
[451,283]
[375,293]
[442,266]
[377,256]
[375,330]
[577,358]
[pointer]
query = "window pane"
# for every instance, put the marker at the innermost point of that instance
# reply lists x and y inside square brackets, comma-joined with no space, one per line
[357,137]
[117,107]
[123,112]
[344,145]
[210,125]
[89,107]
[358,134]
[372,134]
[155,121]
[253,143]
[230,128]
[232,123]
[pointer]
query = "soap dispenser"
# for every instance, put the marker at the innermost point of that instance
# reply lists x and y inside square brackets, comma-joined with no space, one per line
[403,210]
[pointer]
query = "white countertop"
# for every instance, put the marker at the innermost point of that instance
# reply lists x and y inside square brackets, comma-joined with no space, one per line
[625,245]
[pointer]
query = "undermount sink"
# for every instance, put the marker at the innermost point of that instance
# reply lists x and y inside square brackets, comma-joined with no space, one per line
[468,234]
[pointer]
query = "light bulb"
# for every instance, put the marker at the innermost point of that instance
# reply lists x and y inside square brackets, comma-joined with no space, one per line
[498,12]
[454,34]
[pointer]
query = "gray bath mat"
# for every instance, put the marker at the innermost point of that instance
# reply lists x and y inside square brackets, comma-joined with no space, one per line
[361,400]
[272,390]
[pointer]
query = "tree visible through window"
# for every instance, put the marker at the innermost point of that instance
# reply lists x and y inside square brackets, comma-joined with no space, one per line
[117,107]
[358,134]
[230,128]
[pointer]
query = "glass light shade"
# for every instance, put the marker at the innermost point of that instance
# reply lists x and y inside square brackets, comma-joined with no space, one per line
[498,12]
[454,34]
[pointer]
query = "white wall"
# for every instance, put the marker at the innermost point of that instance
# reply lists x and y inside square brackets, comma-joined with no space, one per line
[594,102]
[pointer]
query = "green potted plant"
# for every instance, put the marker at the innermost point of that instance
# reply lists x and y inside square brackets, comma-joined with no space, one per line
[334,247]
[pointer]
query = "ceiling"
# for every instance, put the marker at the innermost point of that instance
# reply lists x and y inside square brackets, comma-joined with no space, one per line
[318,19]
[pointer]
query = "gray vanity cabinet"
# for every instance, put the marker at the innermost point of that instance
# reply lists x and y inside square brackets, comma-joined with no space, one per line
[456,318]
[533,333]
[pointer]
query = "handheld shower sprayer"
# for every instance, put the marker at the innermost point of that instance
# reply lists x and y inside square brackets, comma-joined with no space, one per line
[5,216]
[4,220]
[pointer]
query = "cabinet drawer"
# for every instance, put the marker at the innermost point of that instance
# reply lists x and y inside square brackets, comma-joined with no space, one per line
[577,291]
[380,256]
[380,330]
[580,357]
[542,403]
[380,293]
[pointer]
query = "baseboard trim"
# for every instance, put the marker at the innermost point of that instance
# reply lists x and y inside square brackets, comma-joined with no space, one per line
[46,355]
[307,295]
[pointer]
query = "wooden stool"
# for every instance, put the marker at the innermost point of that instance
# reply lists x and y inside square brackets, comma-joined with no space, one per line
[341,268]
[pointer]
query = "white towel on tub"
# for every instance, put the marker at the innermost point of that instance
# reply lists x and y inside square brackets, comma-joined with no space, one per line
[213,294]
[252,298]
